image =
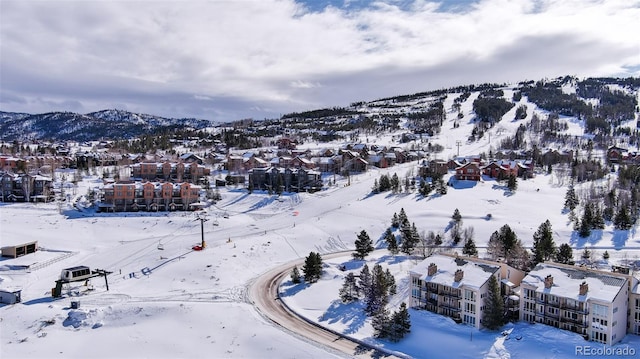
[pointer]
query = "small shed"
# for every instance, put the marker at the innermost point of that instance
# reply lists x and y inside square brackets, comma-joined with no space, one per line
[18,250]
[7,297]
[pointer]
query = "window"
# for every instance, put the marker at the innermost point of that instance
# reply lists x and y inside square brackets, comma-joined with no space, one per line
[600,310]
[615,309]
[469,295]
[470,308]
[469,319]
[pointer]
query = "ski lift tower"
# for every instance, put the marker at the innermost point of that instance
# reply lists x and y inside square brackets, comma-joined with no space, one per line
[202,217]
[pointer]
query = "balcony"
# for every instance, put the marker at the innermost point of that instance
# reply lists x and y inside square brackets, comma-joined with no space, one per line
[451,294]
[576,309]
[577,322]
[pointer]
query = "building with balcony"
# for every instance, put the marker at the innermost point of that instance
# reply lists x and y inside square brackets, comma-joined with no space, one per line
[591,303]
[127,196]
[456,286]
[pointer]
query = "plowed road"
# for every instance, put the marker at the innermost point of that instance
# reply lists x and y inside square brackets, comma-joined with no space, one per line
[263,293]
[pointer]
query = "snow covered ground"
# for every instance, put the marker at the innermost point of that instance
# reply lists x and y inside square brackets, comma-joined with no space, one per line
[167,301]
[175,302]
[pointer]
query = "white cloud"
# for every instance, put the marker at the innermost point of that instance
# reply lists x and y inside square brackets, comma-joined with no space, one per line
[261,54]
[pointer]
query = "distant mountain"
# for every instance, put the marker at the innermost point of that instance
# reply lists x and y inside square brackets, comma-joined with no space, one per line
[106,124]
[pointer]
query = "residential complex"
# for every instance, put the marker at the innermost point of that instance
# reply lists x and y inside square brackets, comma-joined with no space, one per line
[456,286]
[599,305]
[594,304]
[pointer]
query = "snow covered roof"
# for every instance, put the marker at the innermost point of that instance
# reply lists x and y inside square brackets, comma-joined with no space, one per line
[475,274]
[567,280]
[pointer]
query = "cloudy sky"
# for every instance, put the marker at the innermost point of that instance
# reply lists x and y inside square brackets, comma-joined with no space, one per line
[232,59]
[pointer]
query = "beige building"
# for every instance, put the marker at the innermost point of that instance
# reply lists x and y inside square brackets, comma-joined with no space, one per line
[456,286]
[588,302]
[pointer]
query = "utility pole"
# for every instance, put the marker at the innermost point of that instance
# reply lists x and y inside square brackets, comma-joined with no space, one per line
[458,143]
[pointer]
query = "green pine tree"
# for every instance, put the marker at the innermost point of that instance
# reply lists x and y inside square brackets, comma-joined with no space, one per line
[349,291]
[400,323]
[312,268]
[470,248]
[565,254]
[364,245]
[571,199]
[392,242]
[493,314]
[544,247]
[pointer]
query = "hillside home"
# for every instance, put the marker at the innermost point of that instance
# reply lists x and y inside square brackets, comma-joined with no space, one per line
[469,171]
[616,154]
[591,303]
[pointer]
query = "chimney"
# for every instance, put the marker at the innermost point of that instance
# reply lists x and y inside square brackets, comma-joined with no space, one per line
[433,268]
[458,276]
[584,288]
[548,281]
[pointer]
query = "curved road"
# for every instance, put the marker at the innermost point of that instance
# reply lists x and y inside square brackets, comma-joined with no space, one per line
[264,294]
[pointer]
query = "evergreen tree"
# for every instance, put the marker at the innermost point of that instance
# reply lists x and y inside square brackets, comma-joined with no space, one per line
[570,199]
[400,323]
[365,280]
[349,291]
[622,219]
[544,247]
[312,268]
[392,243]
[470,248]
[605,255]
[512,183]
[586,254]
[438,239]
[364,245]
[403,220]
[410,239]
[381,323]
[376,187]
[425,188]
[295,275]
[493,306]
[395,183]
[440,187]
[395,220]
[390,282]
[377,297]
[457,217]
[565,254]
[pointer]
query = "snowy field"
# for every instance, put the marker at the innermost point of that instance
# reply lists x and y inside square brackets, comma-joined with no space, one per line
[175,302]
[167,301]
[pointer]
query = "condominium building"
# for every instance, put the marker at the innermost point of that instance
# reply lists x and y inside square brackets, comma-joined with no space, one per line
[588,302]
[150,196]
[456,286]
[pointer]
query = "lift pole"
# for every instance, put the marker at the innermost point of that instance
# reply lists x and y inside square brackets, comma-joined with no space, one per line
[202,219]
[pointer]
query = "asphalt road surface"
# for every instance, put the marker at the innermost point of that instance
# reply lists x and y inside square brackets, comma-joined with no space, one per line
[263,293]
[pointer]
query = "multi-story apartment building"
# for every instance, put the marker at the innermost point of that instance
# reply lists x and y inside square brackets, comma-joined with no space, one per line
[456,286]
[169,171]
[285,179]
[588,302]
[25,188]
[150,196]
